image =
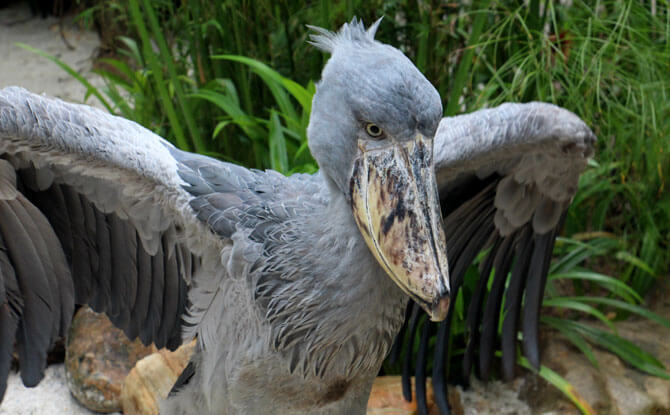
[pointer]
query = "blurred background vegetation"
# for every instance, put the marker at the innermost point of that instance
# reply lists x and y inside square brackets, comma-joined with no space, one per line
[234,78]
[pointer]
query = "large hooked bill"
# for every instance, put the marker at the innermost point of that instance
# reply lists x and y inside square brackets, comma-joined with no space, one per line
[395,202]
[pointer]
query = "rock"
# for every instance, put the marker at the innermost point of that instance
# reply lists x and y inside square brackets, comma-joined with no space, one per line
[543,398]
[386,398]
[614,388]
[493,398]
[152,379]
[98,358]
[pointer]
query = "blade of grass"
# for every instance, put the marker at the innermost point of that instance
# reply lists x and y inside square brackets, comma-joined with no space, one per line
[623,348]
[165,52]
[574,303]
[302,95]
[90,89]
[278,156]
[577,340]
[561,384]
[622,305]
[611,284]
[157,71]
[466,61]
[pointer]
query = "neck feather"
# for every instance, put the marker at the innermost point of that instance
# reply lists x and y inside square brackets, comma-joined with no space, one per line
[341,313]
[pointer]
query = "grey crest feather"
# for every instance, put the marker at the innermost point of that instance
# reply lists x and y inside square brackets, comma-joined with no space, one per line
[351,33]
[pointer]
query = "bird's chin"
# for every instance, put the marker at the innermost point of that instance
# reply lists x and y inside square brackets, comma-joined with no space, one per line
[395,205]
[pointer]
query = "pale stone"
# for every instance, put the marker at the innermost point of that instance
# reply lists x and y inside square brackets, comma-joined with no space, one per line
[152,379]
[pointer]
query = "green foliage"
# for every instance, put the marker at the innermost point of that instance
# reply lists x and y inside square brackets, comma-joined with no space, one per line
[286,143]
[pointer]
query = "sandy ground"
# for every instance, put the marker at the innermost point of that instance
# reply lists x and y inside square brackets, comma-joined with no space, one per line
[51,396]
[31,71]
[35,73]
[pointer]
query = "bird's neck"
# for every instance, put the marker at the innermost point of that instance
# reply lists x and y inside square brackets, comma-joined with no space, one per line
[356,306]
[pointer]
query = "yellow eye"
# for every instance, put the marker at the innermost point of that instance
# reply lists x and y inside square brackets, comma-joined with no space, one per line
[373,130]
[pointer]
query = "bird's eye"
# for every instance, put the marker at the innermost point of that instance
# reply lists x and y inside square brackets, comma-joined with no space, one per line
[373,130]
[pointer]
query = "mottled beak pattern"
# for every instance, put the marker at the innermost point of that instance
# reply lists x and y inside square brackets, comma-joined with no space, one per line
[395,203]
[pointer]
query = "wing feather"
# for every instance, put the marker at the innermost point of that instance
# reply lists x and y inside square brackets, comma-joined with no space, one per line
[170,296]
[11,310]
[33,337]
[506,176]
[53,262]
[92,218]
[153,321]
[81,266]
[89,239]
[490,318]
[121,260]
[513,297]
[104,271]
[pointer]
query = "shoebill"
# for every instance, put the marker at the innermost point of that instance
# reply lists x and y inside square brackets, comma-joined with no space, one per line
[294,286]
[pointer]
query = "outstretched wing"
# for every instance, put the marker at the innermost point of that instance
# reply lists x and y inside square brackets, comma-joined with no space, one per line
[506,177]
[95,209]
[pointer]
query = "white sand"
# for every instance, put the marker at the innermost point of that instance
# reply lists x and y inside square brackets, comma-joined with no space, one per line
[51,396]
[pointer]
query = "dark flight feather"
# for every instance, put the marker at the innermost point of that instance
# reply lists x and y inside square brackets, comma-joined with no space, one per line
[170,296]
[407,363]
[141,306]
[475,309]
[513,297]
[89,237]
[439,364]
[153,320]
[121,270]
[81,266]
[103,298]
[43,262]
[55,264]
[34,334]
[420,370]
[489,321]
[11,310]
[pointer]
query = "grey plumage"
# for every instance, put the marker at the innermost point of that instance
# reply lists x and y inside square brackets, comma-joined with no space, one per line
[292,310]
